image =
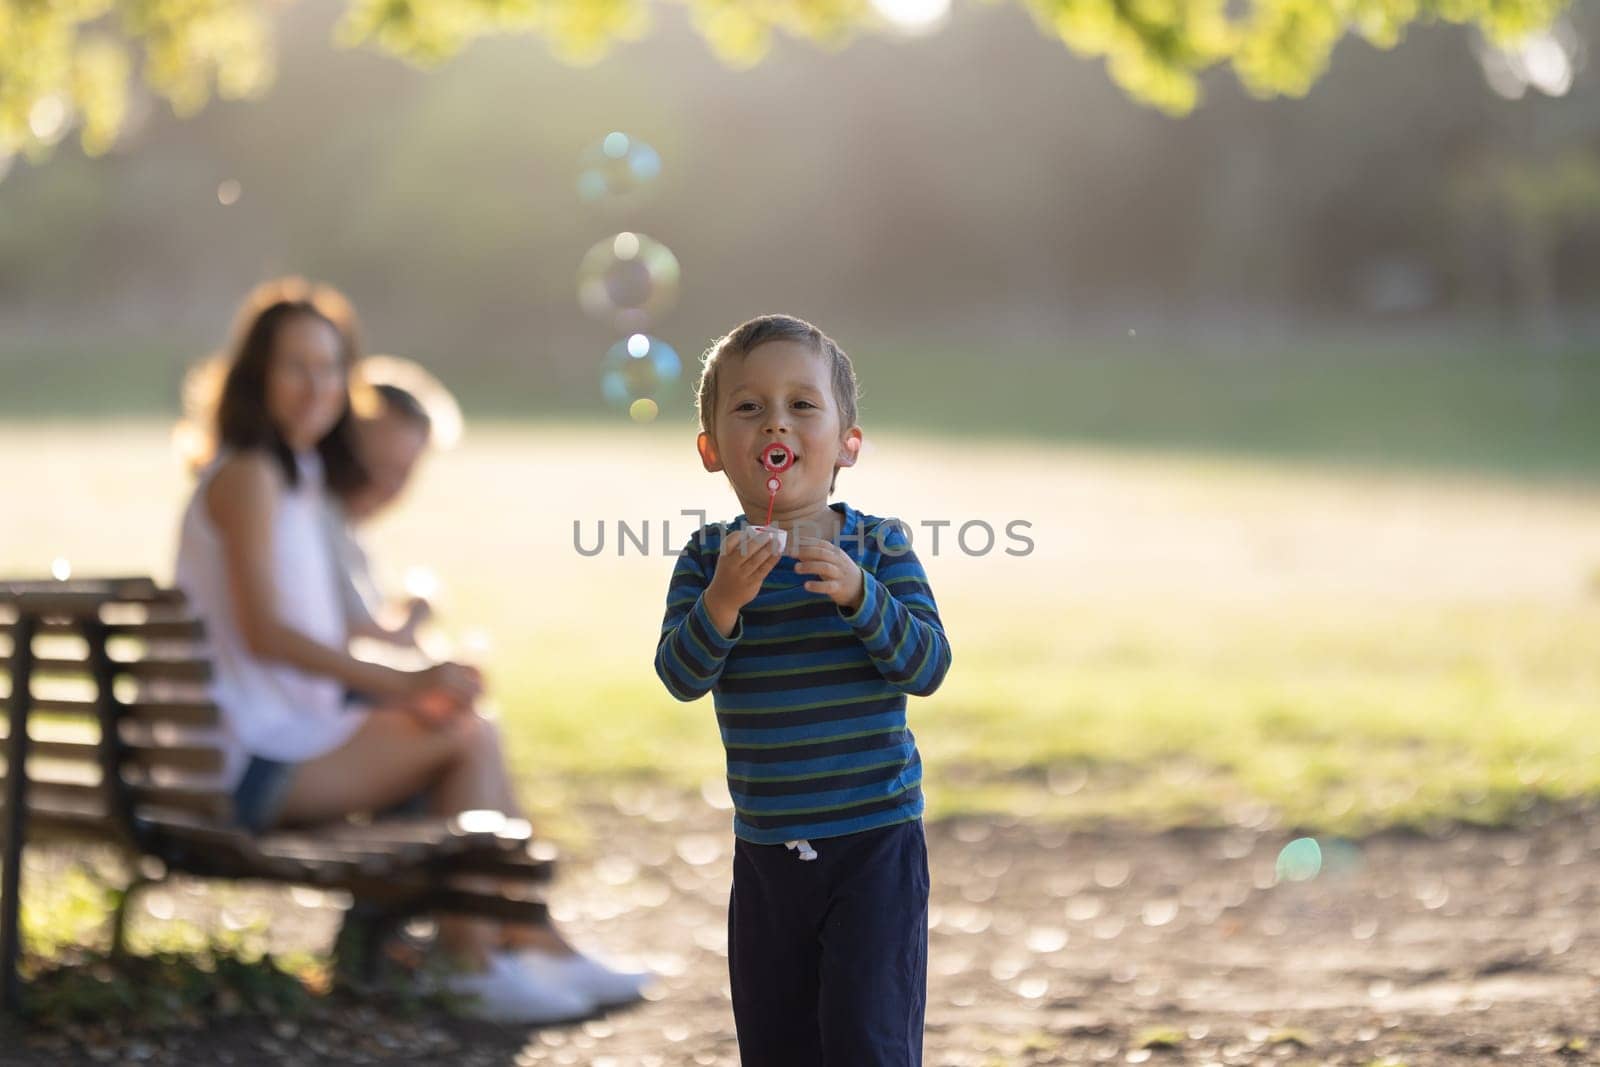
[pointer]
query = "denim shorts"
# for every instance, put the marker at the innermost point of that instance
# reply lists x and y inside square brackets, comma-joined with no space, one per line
[259,796]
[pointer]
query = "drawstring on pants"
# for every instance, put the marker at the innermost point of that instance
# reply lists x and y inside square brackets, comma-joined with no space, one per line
[804,847]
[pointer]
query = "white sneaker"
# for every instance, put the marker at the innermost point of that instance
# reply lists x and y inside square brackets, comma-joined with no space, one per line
[508,993]
[590,978]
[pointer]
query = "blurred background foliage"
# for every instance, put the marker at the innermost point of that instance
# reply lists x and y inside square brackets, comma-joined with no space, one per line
[66,63]
[1398,266]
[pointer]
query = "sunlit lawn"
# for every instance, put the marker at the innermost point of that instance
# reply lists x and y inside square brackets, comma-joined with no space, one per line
[1190,639]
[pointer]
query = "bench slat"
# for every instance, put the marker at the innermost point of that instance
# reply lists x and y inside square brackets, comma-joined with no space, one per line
[441,843]
[194,759]
[434,833]
[209,849]
[535,863]
[205,802]
[191,713]
[83,596]
[80,741]
[149,630]
[160,629]
[482,826]
[197,714]
[218,851]
[434,841]
[171,670]
[309,851]
[391,840]
[64,817]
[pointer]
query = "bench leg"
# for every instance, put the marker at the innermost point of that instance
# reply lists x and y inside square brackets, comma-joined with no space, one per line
[16,792]
[10,934]
[358,949]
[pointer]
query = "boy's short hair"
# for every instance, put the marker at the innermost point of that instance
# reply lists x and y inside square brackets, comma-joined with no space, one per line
[404,405]
[745,337]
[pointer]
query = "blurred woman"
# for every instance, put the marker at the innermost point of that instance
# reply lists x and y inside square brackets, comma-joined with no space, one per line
[255,560]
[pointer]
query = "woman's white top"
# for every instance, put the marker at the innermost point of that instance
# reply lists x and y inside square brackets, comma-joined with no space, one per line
[269,708]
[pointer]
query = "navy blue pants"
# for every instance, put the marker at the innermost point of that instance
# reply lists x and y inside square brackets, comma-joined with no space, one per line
[829,957]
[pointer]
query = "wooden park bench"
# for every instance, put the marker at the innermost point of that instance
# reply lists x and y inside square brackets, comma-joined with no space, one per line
[106,741]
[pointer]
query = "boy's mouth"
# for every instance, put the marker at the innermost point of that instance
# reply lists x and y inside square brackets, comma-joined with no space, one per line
[777,457]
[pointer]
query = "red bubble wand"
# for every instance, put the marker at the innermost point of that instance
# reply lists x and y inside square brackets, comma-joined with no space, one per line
[776,459]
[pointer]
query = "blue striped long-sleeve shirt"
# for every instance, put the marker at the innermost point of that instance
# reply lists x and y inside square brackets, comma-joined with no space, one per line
[811,698]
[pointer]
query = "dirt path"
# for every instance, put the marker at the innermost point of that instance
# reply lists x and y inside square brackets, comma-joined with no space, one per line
[1048,946]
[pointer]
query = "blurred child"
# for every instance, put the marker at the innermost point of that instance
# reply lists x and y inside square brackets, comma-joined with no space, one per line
[391,439]
[390,442]
[398,428]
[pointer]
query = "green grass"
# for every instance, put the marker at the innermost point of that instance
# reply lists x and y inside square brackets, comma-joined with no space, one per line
[66,379]
[175,974]
[1394,405]
[1472,714]
[1477,406]
[1145,664]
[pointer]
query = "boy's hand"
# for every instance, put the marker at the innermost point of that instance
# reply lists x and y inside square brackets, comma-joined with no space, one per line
[743,564]
[837,575]
[418,611]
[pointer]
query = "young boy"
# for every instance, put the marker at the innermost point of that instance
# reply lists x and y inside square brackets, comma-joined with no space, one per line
[390,443]
[809,656]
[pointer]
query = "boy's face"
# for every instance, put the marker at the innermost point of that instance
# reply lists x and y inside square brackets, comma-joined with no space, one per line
[781,391]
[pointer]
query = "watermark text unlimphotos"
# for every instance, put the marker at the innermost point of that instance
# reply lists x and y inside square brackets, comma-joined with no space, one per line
[930,537]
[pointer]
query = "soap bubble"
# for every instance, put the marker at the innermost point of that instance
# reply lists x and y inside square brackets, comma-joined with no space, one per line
[617,171]
[639,367]
[628,280]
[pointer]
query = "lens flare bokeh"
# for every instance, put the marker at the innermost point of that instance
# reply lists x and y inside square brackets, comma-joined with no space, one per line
[1300,860]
